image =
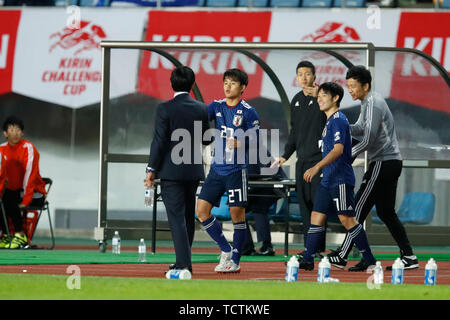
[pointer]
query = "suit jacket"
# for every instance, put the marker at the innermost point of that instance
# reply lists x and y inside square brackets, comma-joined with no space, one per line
[180,159]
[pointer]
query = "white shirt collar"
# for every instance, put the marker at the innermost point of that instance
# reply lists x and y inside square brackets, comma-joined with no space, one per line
[179,92]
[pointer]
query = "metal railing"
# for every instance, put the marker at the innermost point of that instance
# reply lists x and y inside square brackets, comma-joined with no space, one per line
[244,48]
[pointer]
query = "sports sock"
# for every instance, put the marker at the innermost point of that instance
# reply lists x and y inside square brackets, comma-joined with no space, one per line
[358,235]
[313,239]
[346,247]
[213,228]
[239,234]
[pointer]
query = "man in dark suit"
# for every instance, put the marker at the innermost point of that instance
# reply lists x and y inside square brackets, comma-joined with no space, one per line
[179,163]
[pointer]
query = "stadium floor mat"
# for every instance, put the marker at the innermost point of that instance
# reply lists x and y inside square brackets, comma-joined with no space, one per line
[47,257]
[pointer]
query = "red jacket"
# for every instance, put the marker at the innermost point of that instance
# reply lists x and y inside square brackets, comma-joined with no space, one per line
[20,165]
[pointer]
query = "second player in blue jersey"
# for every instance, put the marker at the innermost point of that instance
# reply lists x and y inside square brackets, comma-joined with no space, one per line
[335,193]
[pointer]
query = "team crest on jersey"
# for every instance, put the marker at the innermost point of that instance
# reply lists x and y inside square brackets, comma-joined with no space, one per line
[237,120]
[324,132]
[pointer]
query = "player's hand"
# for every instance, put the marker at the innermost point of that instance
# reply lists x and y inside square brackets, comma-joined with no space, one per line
[21,206]
[278,163]
[311,91]
[233,143]
[310,173]
[149,179]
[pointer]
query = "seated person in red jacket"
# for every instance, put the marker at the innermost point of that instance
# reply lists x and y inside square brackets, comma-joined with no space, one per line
[24,186]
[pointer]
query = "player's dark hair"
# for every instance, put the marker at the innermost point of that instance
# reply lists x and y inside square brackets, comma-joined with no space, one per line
[360,74]
[12,121]
[236,74]
[334,89]
[182,79]
[306,64]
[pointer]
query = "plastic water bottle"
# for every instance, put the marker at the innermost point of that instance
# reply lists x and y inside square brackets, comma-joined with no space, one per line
[431,272]
[116,243]
[183,274]
[229,155]
[292,270]
[378,275]
[397,271]
[324,270]
[142,250]
[149,196]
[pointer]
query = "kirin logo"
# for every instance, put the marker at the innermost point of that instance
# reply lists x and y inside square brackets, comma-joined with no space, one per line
[333,32]
[87,37]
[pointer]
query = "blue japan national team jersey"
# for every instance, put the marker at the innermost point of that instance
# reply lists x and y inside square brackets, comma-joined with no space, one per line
[340,171]
[232,122]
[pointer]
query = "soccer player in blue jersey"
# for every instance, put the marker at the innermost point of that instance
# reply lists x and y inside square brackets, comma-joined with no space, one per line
[236,124]
[335,193]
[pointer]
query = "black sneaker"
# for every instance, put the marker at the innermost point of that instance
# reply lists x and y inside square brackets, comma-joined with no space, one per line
[303,264]
[316,255]
[336,260]
[363,265]
[268,251]
[410,262]
[173,266]
[248,252]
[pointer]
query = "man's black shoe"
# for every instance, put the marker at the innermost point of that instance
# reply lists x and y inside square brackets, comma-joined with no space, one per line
[363,265]
[317,255]
[410,262]
[173,266]
[268,251]
[248,252]
[306,265]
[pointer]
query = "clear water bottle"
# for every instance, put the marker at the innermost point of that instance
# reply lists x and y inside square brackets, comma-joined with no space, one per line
[183,274]
[431,272]
[324,270]
[142,250]
[229,153]
[149,196]
[378,275]
[397,271]
[292,270]
[116,243]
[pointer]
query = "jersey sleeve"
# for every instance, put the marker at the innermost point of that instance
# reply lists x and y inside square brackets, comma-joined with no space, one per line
[367,129]
[211,111]
[339,131]
[252,120]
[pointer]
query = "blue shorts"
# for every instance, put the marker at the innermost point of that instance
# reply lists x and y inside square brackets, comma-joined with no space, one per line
[335,200]
[235,184]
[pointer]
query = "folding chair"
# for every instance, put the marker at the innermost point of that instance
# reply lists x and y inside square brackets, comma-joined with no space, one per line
[416,208]
[5,219]
[32,214]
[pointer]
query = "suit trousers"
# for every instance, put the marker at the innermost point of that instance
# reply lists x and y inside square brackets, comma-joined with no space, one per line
[179,200]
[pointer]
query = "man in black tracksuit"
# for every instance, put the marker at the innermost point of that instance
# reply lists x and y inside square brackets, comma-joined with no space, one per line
[307,123]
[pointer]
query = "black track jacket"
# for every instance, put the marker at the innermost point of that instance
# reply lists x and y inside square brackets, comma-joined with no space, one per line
[307,123]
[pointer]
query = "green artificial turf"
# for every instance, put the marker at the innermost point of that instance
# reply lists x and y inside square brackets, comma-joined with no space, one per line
[43,287]
[19,257]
